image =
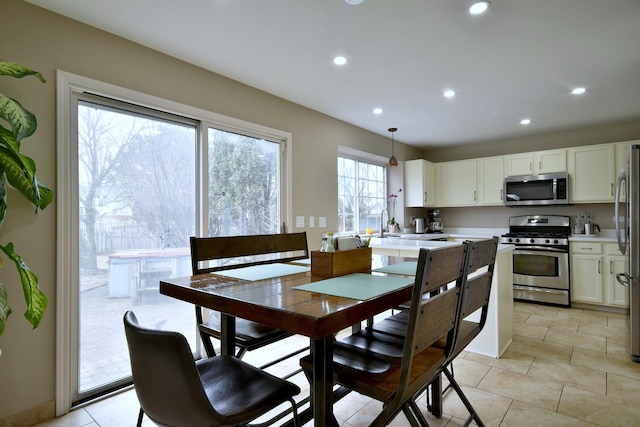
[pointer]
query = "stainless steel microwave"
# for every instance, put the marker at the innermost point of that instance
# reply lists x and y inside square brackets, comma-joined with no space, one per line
[537,190]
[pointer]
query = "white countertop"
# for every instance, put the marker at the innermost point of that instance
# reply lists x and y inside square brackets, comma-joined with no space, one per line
[411,242]
[605,236]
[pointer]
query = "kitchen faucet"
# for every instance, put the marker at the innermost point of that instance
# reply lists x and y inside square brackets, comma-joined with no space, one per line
[382,221]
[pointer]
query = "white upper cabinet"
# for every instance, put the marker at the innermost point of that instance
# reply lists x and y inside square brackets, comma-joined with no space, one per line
[519,164]
[459,181]
[622,154]
[592,171]
[420,184]
[550,161]
[536,163]
[490,181]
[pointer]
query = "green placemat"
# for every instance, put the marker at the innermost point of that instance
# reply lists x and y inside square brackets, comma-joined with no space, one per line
[407,268]
[265,271]
[306,261]
[357,286]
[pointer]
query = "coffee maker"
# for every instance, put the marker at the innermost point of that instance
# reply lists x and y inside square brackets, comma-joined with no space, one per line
[435,222]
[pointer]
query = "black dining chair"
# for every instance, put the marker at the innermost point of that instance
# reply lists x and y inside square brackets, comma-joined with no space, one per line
[175,390]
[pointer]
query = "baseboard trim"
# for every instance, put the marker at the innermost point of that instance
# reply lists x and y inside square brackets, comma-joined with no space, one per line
[596,307]
[31,417]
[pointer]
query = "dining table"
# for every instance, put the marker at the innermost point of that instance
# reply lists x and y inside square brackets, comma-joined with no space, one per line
[287,296]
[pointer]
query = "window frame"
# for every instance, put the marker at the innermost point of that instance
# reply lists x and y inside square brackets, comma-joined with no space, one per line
[369,159]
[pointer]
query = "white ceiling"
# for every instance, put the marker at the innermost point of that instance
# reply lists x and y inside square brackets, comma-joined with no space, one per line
[518,60]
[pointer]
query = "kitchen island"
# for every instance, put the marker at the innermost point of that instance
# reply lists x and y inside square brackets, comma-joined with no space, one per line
[497,334]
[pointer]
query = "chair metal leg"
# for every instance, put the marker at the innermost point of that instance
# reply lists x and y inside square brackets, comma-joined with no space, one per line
[294,406]
[207,344]
[205,338]
[241,352]
[415,410]
[140,414]
[411,417]
[474,415]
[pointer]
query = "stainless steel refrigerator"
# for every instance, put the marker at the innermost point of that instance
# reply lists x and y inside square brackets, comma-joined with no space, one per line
[627,221]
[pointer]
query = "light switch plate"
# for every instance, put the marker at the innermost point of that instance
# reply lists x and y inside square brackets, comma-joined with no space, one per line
[312,221]
[300,221]
[322,222]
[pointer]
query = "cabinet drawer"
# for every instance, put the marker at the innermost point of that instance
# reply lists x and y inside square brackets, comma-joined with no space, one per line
[586,248]
[612,249]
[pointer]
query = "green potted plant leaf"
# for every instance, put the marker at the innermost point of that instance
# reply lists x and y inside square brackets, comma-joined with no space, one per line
[19,171]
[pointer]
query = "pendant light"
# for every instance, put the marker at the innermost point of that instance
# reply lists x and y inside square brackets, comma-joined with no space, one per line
[392,160]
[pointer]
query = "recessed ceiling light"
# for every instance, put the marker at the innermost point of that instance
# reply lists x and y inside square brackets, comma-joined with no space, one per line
[449,93]
[353,1]
[377,111]
[578,91]
[340,60]
[478,7]
[525,121]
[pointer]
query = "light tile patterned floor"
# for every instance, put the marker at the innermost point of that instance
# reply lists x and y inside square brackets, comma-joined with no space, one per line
[566,367]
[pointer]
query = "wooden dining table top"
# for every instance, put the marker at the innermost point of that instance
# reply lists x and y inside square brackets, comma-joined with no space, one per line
[276,303]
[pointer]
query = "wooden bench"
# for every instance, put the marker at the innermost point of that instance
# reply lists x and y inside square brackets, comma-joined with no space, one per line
[214,254]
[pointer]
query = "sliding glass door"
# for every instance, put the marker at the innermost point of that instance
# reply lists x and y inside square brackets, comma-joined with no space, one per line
[136,211]
[137,176]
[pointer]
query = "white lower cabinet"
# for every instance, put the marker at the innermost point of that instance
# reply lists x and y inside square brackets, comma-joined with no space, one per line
[593,274]
[615,262]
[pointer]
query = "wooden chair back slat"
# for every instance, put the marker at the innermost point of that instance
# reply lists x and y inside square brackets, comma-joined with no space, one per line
[478,289]
[482,254]
[449,265]
[243,251]
[438,313]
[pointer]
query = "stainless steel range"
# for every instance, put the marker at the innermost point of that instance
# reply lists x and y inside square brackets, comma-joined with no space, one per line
[541,258]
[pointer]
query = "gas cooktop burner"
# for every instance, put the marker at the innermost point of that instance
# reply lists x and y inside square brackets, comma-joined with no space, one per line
[536,235]
[538,230]
[535,240]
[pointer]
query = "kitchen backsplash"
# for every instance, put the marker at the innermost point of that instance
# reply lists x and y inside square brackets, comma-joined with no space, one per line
[498,216]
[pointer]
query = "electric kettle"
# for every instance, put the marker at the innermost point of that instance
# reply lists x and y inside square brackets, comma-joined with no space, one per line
[419,223]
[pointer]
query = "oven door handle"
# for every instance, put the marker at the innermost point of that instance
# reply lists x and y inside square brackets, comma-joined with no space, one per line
[539,249]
